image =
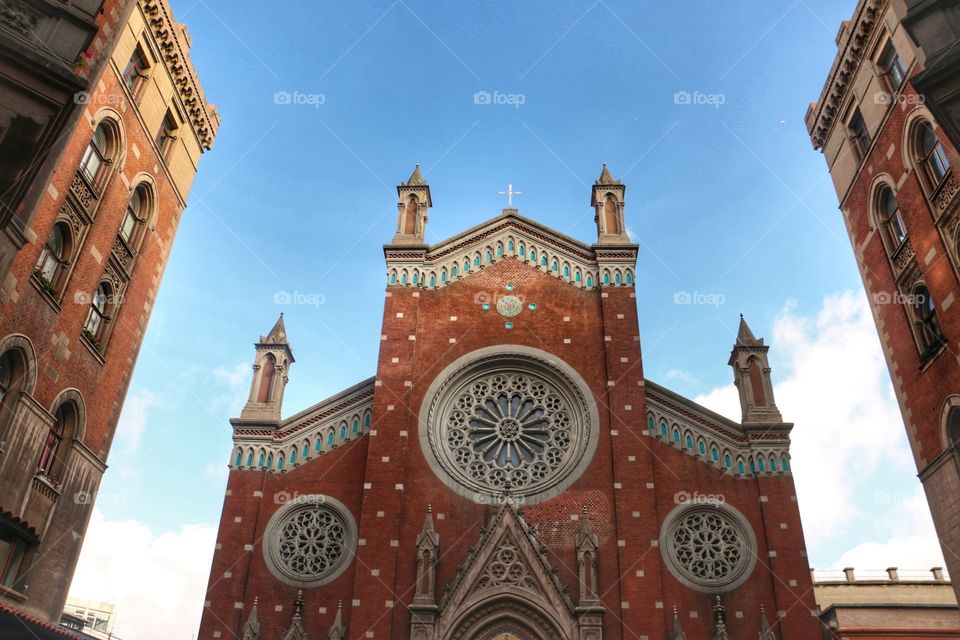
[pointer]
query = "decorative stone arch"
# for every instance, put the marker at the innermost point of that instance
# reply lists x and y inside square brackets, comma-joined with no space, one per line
[23,347]
[117,139]
[76,398]
[908,146]
[153,203]
[505,611]
[879,181]
[949,413]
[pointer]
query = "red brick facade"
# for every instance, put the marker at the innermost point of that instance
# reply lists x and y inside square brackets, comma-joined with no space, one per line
[47,497]
[926,378]
[386,481]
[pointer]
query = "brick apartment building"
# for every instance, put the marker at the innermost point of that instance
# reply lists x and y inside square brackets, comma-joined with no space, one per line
[92,214]
[895,172]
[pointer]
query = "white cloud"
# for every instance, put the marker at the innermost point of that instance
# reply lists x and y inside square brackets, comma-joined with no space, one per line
[831,381]
[133,420]
[156,581]
[237,376]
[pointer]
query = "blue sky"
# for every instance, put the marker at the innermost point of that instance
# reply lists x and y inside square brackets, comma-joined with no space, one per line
[726,197]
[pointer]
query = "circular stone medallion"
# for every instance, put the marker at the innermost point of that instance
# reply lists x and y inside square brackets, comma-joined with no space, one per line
[509,306]
[519,422]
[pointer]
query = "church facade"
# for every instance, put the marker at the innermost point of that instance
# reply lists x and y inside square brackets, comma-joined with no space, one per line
[509,472]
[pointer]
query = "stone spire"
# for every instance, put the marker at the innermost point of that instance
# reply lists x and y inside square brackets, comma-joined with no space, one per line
[413,205]
[428,547]
[677,633]
[337,630]
[270,376]
[751,374]
[296,631]
[587,545]
[719,621]
[608,200]
[766,633]
[251,630]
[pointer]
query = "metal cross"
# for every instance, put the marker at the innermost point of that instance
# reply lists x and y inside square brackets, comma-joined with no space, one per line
[510,193]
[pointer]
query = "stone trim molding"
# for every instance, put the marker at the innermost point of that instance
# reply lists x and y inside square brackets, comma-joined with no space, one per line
[354,404]
[821,116]
[203,116]
[510,235]
[716,433]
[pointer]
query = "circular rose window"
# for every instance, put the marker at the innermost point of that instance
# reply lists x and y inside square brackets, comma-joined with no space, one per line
[709,547]
[519,423]
[310,541]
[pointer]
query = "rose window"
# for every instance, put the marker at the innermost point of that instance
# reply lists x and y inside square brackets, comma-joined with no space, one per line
[509,426]
[709,546]
[309,542]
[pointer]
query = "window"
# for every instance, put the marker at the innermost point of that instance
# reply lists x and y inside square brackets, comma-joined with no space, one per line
[11,557]
[167,134]
[52,457]
[893,227]
[933,157]
[929,334]
[136,71]
[858,133]
[135,216]
[53,257]
[892,67]
[95,156]
[7,366]
[97,318]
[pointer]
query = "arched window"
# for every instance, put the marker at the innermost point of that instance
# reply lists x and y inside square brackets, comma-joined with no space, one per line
[393,277]
[610,225]
[250,458]
[99,314]
[267,373]
[510,245]
[366,420]
[761,465]
[523,251]
[443,276]
[356,425]
[135,216]
[543,261]
[293,455]
[566,271]
[466,266]
[453,271]
[476,260]
[433,280]
[689,442]
[929,334]
[533,255]
[629,278]
[578,277]
[489,257]
[933,158]
[714,454]
[343,432]
[270,460]
[651,424]
[499,250]
[784,464]
[280,462]
[589,281]
[702,448]
[56,255]
[52,457]
[306,450]
[95,156]
[319,444]
[727,461]
[616,278]
[330,437]
[773,464]
[261,458]
[606,277]
[740,469]
[403,278]
[663,428]
[676,435]
[410,216]
[894,230]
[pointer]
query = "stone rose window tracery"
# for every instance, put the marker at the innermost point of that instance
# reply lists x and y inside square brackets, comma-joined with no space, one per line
[709,547]
[508,425]
[310,541]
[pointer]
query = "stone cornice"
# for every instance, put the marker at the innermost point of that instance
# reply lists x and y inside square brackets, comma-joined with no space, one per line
[203,117]
[852,47]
